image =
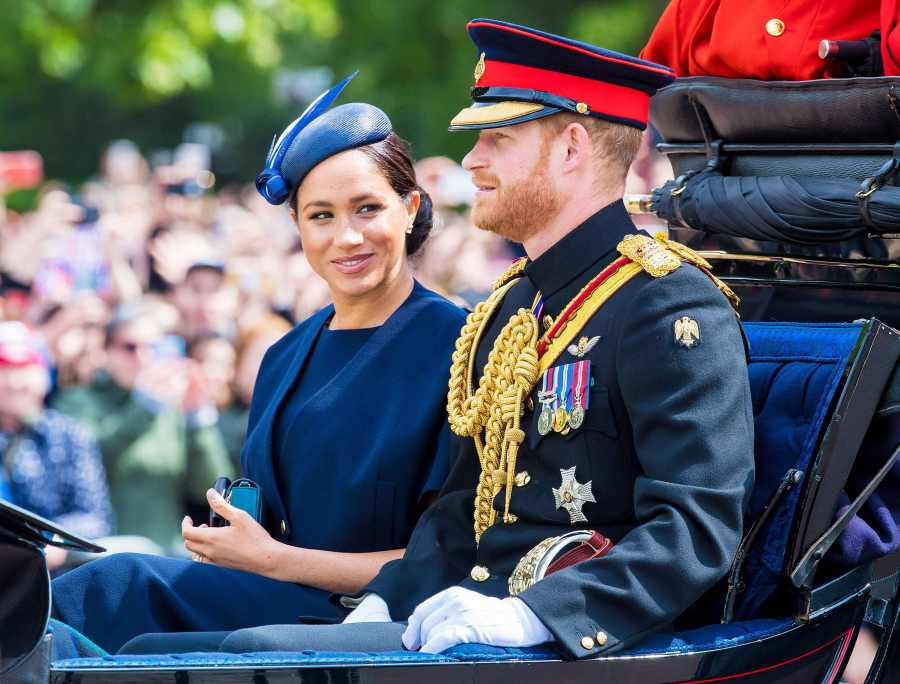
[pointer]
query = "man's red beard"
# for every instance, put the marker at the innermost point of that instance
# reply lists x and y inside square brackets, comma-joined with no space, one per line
[519,210]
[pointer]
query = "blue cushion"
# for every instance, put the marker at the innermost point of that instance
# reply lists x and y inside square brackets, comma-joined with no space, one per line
[796,369]
[718,636]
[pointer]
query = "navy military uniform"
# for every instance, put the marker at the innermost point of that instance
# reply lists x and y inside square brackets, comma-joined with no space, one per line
[663,461]
[667,445]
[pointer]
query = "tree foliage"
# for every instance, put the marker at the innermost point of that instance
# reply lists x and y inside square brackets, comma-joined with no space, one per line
[79,73]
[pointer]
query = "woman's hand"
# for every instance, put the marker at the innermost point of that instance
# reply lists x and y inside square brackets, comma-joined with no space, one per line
[243,545]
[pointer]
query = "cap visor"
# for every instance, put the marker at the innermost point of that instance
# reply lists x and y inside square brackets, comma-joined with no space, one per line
[496,114]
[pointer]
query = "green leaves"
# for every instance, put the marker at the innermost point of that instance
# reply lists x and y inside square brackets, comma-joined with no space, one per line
[158,48]
[78,73]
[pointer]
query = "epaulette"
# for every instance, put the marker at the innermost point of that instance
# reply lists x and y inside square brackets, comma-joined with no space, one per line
[514,271]
[651,255]
[659,256]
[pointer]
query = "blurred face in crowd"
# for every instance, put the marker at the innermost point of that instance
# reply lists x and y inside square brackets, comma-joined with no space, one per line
[515,190]
[22,391]
[207,302]
[353,224]
[217,358]
[130,350]
[251,359]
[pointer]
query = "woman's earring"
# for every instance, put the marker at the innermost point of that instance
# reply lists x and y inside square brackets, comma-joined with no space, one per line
[409,228]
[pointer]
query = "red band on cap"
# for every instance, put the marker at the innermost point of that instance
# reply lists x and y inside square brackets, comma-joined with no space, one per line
[602,97]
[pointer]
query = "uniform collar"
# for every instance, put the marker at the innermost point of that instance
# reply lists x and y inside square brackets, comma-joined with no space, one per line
[581,249]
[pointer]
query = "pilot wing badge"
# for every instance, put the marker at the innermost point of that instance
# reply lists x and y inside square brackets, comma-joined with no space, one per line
[583,347]
[687,332]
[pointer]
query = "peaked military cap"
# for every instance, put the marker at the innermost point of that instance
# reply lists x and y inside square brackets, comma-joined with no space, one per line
[524,74]
[317,134]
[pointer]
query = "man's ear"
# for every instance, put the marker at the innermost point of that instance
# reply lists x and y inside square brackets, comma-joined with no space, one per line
[578,147]
[293,214]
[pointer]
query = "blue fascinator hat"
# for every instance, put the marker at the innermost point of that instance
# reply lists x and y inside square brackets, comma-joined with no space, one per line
[315,135]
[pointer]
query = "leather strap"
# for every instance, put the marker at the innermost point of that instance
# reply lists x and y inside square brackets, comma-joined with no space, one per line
[595,547]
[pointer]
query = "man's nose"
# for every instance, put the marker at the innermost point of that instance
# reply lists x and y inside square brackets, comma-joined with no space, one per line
[474,159]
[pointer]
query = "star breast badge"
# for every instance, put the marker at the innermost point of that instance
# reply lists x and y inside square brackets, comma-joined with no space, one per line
[687,332]
[572,495]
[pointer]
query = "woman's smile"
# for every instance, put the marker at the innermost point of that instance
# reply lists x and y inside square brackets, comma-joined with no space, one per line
[352,264]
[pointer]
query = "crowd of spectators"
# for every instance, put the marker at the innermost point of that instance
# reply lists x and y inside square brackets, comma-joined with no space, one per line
[134,315]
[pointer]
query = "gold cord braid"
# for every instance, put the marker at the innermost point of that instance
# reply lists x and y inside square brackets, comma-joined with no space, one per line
[491,414]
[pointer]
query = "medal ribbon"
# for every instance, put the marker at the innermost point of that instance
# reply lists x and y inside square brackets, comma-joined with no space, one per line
[569,387]
[538,307]
[549,387]
[582,371]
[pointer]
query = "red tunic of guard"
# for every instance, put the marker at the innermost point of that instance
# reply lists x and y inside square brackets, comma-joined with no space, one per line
[768,39]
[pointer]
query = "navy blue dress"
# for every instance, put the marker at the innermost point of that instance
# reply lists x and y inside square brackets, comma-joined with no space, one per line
[347,433]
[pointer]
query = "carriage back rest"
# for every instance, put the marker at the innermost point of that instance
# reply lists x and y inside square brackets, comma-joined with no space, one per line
[797,371]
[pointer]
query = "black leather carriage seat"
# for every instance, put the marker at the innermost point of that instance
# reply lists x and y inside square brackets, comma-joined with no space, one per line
[839,110]
[834,128]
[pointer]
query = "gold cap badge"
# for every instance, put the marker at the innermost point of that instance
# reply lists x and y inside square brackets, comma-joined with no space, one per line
[479,69]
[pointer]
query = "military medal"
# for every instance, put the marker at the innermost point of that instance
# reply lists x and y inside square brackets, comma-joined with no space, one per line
[560,409]
[545,420]
[581,373]
[547,397]
[576,415]
[560,419]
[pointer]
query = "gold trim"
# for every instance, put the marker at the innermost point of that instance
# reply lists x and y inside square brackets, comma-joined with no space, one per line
[514,270]
[494,113]
[522,577]
[591,305]
[652,256]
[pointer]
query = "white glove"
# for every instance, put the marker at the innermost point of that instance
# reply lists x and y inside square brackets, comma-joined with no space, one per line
[371,609]
[460,616]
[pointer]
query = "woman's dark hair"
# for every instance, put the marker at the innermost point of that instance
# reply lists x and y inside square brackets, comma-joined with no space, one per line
[393,159]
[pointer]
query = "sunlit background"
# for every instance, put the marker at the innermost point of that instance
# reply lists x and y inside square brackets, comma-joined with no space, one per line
[76,74]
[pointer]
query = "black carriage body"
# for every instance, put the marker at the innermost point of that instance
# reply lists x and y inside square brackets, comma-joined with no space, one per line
[804,629]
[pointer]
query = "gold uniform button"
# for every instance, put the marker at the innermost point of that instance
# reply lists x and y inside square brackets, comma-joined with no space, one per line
[775,27]
[601,638]
[587,643]
[522,478]
[548,321]
[283,527]
[530,404]
[480,573]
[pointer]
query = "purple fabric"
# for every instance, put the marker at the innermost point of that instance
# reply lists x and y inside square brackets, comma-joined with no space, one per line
[875,531]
